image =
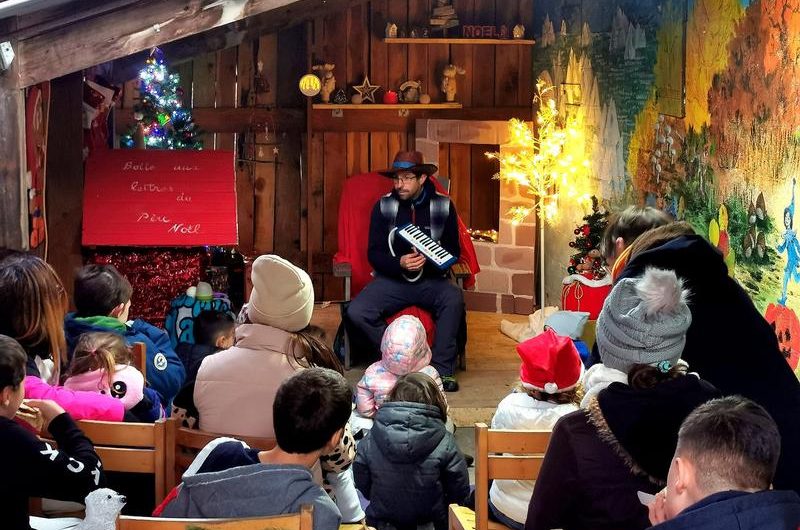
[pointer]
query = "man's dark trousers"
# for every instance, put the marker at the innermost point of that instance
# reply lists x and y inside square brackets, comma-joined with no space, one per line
[383,297]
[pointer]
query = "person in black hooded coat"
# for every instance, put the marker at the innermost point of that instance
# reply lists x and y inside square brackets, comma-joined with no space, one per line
[409,466]
[729,343]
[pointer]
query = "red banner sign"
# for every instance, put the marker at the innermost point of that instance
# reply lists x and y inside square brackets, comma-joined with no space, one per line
[136,197]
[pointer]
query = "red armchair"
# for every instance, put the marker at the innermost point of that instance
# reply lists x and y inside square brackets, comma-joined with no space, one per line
[359,195]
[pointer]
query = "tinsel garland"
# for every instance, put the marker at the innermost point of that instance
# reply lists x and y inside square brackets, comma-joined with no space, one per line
[156,275]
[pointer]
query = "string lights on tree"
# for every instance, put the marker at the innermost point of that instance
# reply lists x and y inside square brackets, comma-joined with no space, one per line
[548,162]
[161,120]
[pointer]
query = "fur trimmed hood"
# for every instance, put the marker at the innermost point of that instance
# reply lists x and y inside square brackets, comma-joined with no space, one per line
[642,425]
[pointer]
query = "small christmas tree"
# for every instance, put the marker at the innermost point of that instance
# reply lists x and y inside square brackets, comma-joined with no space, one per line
[161,120]
[587,260]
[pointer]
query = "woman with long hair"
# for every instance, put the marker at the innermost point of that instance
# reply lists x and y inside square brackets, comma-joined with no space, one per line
[33,304]
[729,343]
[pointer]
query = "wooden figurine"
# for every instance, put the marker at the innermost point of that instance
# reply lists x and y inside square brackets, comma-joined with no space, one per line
[449,85]
[328,81]
[519,31]
[410,91]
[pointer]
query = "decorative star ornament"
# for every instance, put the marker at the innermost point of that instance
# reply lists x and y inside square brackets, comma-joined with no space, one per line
[366,90]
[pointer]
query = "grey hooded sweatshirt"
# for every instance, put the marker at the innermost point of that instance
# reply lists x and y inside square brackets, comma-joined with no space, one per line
[255,490]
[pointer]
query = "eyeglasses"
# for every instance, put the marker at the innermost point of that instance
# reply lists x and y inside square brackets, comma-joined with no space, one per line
[404,178]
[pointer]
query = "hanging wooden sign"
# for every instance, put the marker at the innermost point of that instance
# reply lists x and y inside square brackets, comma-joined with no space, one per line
[137,197]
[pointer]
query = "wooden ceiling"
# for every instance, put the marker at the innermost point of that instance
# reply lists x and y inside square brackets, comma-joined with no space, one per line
[69,37]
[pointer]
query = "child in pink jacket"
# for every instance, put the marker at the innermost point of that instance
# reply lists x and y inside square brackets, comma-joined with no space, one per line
[404,349]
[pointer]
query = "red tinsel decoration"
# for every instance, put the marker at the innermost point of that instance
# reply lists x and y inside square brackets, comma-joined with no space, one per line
[156,275]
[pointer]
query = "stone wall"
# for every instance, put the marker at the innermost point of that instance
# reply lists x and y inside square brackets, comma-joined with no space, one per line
[505,283]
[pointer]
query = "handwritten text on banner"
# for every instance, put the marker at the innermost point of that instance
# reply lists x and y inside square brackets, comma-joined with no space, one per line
[136,197]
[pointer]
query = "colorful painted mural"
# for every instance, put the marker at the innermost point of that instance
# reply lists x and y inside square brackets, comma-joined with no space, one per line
[726,156]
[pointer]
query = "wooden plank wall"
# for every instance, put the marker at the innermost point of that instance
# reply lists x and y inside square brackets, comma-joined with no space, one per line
[268,159]
[271,187]
[497,77]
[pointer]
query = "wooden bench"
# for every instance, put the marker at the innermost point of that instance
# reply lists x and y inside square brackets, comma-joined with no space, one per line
[131,448]
[295,521]
[500,454]
[183,444]
[123,447]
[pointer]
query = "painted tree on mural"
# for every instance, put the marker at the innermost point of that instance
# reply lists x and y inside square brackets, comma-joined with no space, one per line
[651,168]
[751,102]
[710,27]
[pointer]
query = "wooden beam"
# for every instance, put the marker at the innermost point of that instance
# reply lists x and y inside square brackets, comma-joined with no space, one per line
[65,178]
[138,27]
[231,120]
[44,20]
[231,34]
[13,215]
[389,120]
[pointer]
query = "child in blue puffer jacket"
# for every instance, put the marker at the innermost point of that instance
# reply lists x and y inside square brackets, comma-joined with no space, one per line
[103,300]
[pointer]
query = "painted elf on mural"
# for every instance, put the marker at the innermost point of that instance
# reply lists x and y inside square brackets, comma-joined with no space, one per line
[791,246]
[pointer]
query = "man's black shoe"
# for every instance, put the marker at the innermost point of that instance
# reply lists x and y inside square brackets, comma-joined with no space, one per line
[449,383]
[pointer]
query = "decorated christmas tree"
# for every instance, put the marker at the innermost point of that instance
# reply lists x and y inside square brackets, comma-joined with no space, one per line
[587,259]
[161,120]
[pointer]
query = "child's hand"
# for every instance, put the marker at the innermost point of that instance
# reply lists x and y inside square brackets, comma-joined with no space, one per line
[49,409]
[657,511]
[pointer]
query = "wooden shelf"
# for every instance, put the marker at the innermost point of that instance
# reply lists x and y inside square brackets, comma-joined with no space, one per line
[384,106]
[492,42]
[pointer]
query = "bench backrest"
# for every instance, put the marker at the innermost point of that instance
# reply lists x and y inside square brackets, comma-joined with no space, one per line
[503,454]
[131,448]
[183,444]
[295,521]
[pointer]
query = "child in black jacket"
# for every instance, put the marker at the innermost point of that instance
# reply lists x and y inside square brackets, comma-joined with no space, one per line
[32,467]
[409,466]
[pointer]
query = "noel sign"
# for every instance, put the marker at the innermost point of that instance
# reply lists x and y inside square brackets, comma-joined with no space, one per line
[138,197]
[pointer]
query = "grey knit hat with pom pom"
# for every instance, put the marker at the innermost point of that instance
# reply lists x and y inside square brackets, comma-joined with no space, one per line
[644,321]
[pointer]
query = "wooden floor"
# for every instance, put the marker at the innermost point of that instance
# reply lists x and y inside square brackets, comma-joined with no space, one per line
[492,363]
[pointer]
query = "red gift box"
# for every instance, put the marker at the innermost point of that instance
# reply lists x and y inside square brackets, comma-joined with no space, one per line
[582,293]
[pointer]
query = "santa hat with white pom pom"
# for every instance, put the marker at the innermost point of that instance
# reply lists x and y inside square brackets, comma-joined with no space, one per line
[550,363]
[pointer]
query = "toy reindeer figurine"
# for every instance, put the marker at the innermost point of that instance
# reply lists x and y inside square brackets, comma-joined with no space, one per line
[328,81]
[449,85]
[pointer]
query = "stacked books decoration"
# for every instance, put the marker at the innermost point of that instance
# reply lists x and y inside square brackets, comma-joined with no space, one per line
[443,16]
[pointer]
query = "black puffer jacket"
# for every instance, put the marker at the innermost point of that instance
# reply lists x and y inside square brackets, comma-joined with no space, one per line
[409,467]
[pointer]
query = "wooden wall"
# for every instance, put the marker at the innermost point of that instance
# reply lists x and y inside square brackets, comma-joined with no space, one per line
[497,85]
[239,113]
[299,150]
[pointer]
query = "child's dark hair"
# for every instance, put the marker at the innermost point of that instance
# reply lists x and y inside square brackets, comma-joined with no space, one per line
[417,387]
[209,325]
[644,376]
[99,350]
[99,289]
[12,363]
[309,408]
[733,442]
[308,349]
